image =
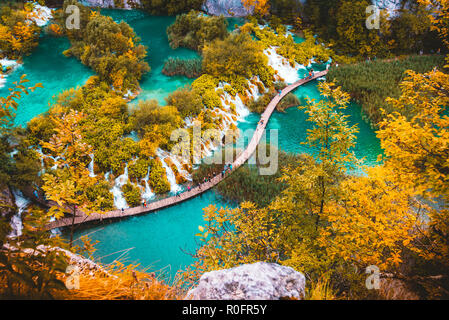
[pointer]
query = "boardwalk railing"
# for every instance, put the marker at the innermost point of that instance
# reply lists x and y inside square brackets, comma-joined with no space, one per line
[167,202]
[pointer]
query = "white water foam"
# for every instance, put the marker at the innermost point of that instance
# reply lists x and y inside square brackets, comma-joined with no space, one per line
[40,15]
[119,199]
[174,187]
[91,166]
[147,194]
[16,221]
[282,66]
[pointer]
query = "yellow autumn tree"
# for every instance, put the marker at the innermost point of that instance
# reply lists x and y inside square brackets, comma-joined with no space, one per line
[261,7]
[373,221]
[67,185]
[417,151]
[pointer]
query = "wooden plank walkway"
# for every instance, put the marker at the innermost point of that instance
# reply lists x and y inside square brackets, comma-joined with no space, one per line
[167,202]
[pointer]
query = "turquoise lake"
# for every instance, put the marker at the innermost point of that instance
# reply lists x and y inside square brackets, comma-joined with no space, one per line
[46,65]
[157,240]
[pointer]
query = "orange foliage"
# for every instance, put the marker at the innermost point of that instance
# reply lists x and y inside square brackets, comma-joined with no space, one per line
[261,7]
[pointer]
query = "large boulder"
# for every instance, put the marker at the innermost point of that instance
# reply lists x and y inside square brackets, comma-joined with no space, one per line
[257,281]
[227,8]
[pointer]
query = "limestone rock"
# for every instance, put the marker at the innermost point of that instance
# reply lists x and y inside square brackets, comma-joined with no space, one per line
[127,4]
[258,281]
[227,8]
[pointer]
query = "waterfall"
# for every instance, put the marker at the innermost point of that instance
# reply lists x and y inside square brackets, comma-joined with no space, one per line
[55,231]
[16,220]
[174,187]
[148,194]
[282,66]
[91,166]
[119,199]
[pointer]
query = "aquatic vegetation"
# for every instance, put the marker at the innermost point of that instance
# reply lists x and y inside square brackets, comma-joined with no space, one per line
[191,68]
[370,83]
[193,30]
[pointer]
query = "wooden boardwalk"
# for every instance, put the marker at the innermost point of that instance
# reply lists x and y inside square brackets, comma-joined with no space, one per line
[167,202]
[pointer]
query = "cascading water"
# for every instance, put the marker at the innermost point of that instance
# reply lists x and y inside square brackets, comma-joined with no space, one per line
[91,166]
[174,187]
[282,66]
[119,199]
[16,220]
[148,194]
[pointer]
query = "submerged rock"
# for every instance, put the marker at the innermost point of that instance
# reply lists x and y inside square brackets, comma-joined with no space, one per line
[227,8]
[257,281]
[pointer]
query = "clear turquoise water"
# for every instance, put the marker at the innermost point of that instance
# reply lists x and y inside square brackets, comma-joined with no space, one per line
[292,127]
[152,31]
[157,240]
[46,65]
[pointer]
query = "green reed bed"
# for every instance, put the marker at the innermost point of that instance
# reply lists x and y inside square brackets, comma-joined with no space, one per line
[371,82]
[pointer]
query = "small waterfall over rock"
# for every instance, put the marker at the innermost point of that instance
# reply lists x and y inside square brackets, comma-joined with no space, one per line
[148,194]
[227,8]
[174,187]
[16,221]
[119,199]
[91,166]
[282,66]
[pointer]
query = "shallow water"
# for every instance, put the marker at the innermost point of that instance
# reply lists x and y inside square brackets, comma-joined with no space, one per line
[152,31]
[46,65]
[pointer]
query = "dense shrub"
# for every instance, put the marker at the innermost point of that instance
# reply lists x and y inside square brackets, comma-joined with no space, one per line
[236,59]
[188,102]
[342,23]
[100,193]
[193,30]
[18,36]
[158,178]
[111,49]
[301,53]
[138,169]
[131,194]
